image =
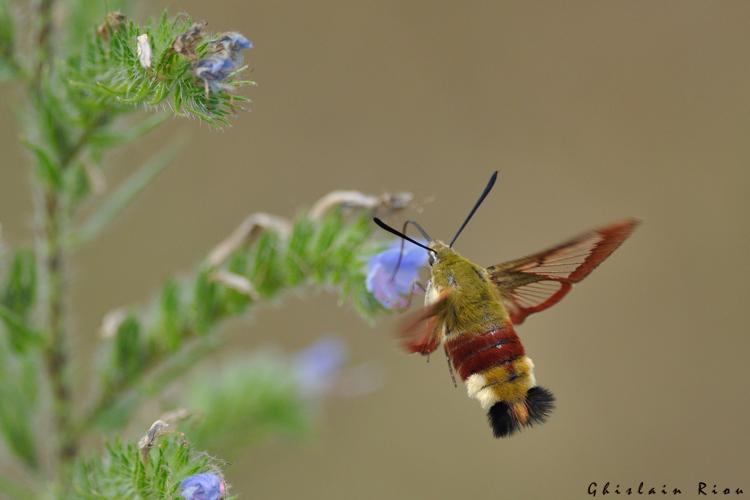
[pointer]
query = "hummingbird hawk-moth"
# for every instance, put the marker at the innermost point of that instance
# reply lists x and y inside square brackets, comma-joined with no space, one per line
[472,311]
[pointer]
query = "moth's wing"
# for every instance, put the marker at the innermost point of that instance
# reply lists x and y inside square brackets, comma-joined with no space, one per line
[534,283]
[420,330]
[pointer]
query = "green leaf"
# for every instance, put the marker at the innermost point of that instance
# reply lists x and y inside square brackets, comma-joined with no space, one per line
[16,410]
[234,301]
[54,119]
[19,293]
[266,272]
[298,248]
[171,316]
[113,137]
[326,235]
[21,334]
[16,429]
[46,168]
[205,303]
[28,378]
[126,193]
[77,183]
[8,64]
[129,353]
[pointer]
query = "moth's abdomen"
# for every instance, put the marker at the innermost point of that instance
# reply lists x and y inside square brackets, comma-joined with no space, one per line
[498,374]
[476,353]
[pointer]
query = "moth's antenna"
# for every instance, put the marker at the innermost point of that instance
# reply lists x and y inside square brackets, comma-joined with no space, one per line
[401,251]
[484,194]
[398,233]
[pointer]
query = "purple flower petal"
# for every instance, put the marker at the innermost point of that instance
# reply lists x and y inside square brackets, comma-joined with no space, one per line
[224,58]
[233,43]
[236,41]
[216,67]
[205,486]
[393,291]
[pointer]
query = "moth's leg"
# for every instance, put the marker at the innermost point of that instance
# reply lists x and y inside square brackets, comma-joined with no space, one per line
[450,366]
[414,287]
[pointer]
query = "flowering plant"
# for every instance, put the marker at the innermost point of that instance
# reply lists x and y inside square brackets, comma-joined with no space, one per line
[94,82]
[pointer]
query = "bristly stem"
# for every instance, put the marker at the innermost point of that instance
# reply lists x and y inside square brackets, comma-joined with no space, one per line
[43,41]
[53,234]
[56,352]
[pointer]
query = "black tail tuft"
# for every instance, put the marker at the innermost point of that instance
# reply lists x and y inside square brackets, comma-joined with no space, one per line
[502,420]
[539,402]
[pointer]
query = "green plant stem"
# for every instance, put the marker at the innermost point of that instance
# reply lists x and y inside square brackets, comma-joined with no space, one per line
[77,147]
[43,41]
[55,352]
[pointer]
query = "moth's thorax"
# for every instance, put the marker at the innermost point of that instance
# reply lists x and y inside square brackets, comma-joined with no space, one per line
[451,270]
[474,303]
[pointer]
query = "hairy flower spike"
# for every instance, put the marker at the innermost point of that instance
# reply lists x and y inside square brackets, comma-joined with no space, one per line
[392,290]
[109,71]
[264,256]
[205,486]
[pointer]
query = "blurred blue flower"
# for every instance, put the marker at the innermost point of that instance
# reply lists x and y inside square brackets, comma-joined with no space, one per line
[235,41]
[317,367]
[224,58]
[205,486]
[232,43]
[393,291]
[217,66]
[213,69]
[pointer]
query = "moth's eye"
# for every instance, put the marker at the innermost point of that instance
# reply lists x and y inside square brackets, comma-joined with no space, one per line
[431,258]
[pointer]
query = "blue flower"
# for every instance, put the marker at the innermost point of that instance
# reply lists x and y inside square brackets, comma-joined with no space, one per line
[205,486]
[317,367]
[213,69]
[393,291]
[224,58]
[235,41]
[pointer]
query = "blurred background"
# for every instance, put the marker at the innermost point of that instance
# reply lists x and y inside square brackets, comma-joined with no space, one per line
[591,111]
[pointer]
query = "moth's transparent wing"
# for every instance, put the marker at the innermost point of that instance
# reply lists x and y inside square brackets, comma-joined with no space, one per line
[536,282]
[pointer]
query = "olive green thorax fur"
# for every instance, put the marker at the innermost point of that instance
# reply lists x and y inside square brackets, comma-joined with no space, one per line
[474,304]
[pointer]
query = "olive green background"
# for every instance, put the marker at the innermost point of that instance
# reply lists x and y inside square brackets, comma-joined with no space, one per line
[591,111]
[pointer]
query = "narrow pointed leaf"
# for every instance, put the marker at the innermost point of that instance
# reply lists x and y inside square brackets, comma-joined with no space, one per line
[46,168]
[126,193]
[21,335]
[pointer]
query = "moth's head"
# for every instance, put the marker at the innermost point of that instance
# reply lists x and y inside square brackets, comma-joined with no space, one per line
[439,252]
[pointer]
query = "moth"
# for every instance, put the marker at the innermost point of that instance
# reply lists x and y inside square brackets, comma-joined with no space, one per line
[472,311]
